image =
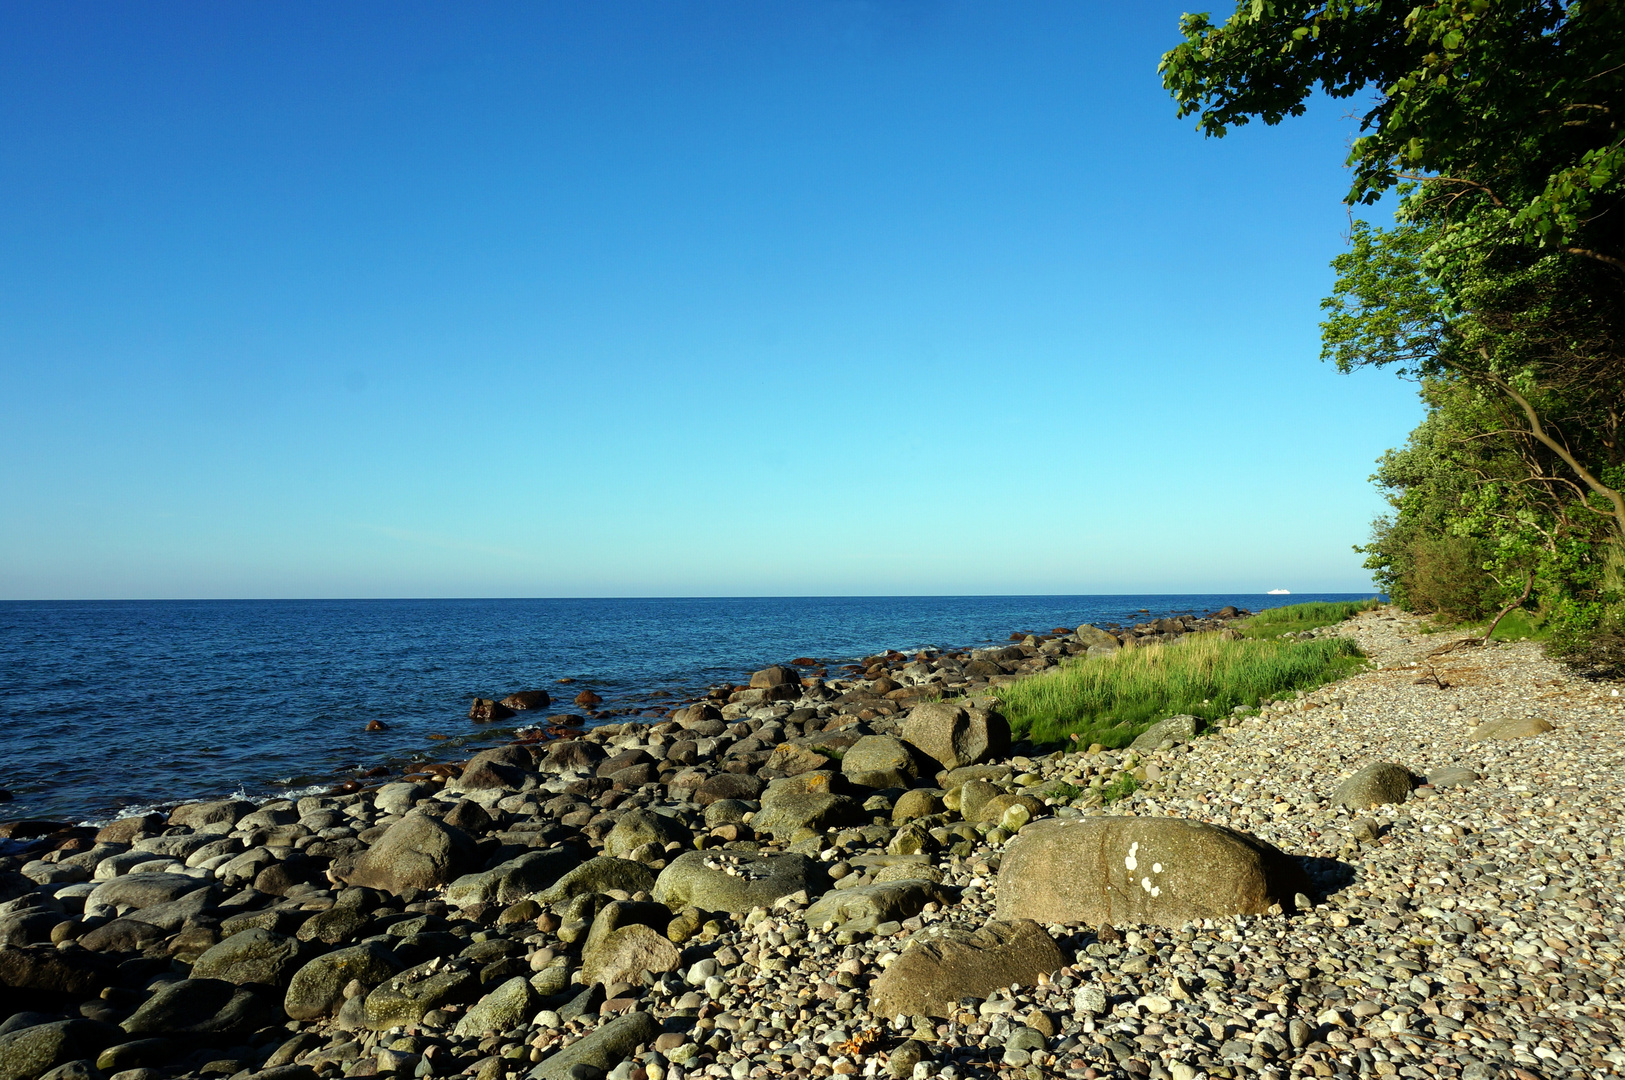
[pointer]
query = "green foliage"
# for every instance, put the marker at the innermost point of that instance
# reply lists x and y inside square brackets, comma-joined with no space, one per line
[1120,788]
[1501,287]
[1295,618]
[1112,699]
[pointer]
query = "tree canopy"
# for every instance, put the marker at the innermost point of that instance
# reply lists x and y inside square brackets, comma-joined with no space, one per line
[1501,286]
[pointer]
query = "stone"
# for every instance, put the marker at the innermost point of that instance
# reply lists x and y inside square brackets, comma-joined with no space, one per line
[1510,727]
[317,989]
[638,827]
[736,881]
[220,811]
[934,972]
[516,879]
[602,1049]
[997,807]
[202,1007]
[954,736]
[485,709]
[398,798]
[623,954]
[527,700]
[252,956]
[792,759]
[1170,732]
[914,804]
[508,1006]
[1378,784]
[789,814]
[729,786]
[879,761]
[122,936]
[971,796]
[778,675]
[136,891]
[1161,871]
[44,975]
[417,852]
[174,914]
[402,1001]
[1093,637]
[1453,776]
[599,875]
[33,1051]
[864,907]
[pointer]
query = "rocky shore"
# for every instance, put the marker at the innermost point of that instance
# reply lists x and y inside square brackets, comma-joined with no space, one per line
[1412,872]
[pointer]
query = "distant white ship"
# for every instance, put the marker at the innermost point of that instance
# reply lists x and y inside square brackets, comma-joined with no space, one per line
[1279,592]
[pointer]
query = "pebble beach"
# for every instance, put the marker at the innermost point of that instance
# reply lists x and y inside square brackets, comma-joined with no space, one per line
[810,877]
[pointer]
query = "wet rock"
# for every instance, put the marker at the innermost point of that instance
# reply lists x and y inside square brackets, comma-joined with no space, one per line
[599,875]
[603,1049]
[1162,871]
[417,852]
[508,1006]
[879,761]
[252,956]
[955,736]
[526,700]
[1378,784]
[864,907]
[1510,727]
[317,988]
[934,972]
[202,1007]
[736,882]
[485,709]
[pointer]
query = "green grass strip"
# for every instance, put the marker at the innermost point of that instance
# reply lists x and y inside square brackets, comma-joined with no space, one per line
[1296,618]
[1112,699]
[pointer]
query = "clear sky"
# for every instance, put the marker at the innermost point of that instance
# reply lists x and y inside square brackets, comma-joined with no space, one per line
[687,298]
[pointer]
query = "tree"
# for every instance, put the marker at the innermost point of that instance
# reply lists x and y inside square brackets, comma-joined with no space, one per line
[1503,285]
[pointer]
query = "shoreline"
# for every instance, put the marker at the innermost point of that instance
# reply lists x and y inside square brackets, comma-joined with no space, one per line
[503,923]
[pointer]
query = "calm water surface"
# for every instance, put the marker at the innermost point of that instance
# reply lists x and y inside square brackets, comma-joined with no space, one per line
[110,706]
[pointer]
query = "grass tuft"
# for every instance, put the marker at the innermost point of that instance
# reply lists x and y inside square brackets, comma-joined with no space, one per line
[1112,699]
[1295,618]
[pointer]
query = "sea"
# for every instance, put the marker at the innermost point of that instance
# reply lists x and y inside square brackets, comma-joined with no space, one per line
[109,708]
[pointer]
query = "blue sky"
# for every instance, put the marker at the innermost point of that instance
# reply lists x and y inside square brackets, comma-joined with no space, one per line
[687,298]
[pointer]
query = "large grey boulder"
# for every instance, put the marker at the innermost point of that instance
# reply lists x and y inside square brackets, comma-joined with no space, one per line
[317,989]
[1093,636]
[1170,732]
[623,955]
[202,1007]
[220,811]
[955,736]
[417,852]
[251,956]
[599,875]
[508,1006]
[638,827]
[136,891]
[174,914]
[515,879]
[934,972]
[864,907]
[606,1047]
[1161,871]
[736,881]
[879,761]
[1510,727]
[786,817]
[402,1001]
[35,1051]
[1378,784]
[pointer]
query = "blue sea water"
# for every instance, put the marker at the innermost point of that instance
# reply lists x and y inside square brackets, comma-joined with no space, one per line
[111,706]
